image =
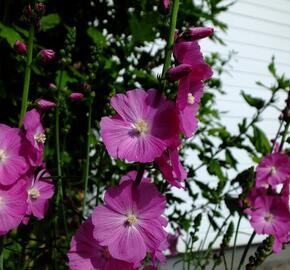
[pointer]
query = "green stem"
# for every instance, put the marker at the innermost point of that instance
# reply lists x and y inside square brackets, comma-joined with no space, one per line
[87,164]
[170,40]
[59,196]
[246,250]
[27,75]
[2,253]
[285,133]
[235,242]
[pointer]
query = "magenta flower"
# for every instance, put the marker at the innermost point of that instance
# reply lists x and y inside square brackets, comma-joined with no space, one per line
[12,206]
[39,191]
[195,33]
[13,155]
[271,216]
[86,254]
[130,221]
[76,96]
[171,167]
[273,170]
[172,241]
[20,47]
[45,104]
[35,135]
[141,130]
[166,4]
[191,62]
[47,54]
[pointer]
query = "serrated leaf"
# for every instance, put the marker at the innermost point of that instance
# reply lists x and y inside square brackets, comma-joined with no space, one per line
[98,38]
[9,34]
[49,21]
[253,101]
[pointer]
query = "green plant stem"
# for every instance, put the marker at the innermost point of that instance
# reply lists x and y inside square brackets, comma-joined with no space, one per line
[87,163]
[235,242]
[285,133]
[27,75]
[2,253]
[246,250]
[59,197]
[170,40]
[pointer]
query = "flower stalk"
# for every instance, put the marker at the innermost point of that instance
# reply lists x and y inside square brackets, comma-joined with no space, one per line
[27,75]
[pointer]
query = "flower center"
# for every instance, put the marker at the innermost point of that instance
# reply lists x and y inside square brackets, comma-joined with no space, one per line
[141,126]
[106,253]
[131,219]
[273,170]
[2,202]
[39,137]
[190,99]
[3,155]
[33,193]
[269,217]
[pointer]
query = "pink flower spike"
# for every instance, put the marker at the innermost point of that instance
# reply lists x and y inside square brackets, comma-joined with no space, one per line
[86,254]
[274,169]
[13,155]
[141,131]
[20,47]
[35,135]
[12,206]
[39,191]
[130,221]
[196,33]
[166,4]
[76,96]
[47,54]
[45,104]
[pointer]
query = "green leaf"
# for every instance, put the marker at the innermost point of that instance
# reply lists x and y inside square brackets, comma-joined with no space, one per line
[49,21]
[253,101]
[245,179]
[230,159]
[9,34]
[142,29]
[260,141]
[98,38]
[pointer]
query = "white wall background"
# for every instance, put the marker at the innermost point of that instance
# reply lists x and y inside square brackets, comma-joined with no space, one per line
[257,31]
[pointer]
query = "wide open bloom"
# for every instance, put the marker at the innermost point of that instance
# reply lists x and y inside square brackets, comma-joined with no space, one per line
[13,155]
[13,206]
[35,135]
[141,130]
[130,221]
[39,189]
[86,254]
[271,215]
[274,169]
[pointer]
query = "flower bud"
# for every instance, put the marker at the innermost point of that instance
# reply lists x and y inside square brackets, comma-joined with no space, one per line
[166,4]
[20,47]
[45,104]
[47,54]
[76,96]
[40,8]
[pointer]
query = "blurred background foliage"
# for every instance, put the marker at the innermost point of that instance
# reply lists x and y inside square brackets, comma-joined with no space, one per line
[118,45]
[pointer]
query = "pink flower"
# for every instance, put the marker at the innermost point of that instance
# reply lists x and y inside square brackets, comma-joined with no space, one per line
[35,135]
[86,254]
[20,47]
[171,167]
[76,96]
[195,33]
[190,59]
[173,240]
[39,191]
[47,54]
[271,216]
[165,4]
[273,170]
[45,104]
[141,130]
[130,221]
[12,206]
[13,155]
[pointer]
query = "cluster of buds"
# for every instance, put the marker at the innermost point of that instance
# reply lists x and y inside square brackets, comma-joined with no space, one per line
[32,14]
